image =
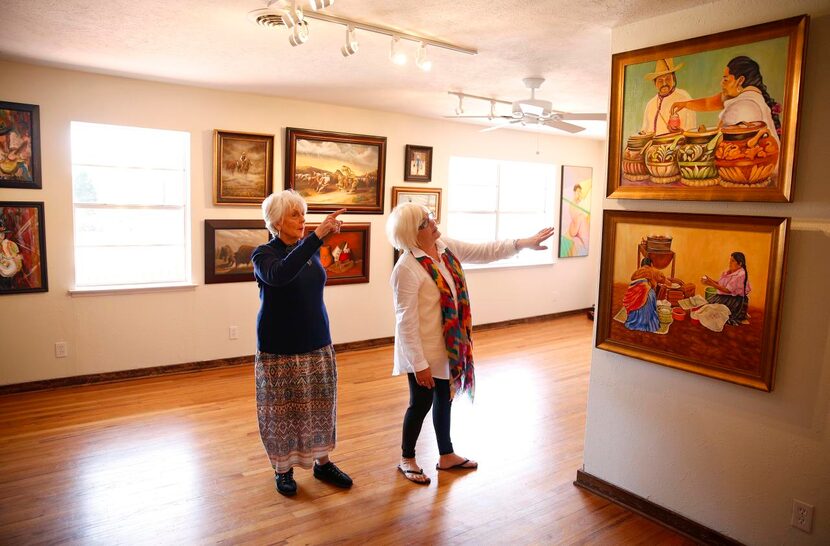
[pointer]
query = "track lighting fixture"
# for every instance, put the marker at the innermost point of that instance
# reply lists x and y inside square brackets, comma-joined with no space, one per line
[421,60]
[460,108]
[287,12]
[351,45]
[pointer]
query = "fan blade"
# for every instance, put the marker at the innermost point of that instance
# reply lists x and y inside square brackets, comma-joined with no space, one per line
[584,117]
[479,117]
[562,126]
[494,127]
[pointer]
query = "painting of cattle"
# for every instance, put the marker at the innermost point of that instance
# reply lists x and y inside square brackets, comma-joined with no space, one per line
[336,170]
[228,248]
[243,165]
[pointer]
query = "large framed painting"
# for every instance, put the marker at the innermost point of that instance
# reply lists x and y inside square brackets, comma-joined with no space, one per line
[575,211]
[20,146]
[345,255]
[336,170]
[713,118]
[22,248]
[428,197]
[243,166]
[417,163]
[228,248]
[696,292]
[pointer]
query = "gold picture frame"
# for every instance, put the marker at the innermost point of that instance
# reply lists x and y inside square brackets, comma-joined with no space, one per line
[243,167]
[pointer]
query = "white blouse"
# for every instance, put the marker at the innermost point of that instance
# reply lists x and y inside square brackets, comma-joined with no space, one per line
[419,336]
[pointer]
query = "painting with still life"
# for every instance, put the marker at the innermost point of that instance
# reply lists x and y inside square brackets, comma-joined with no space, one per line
[695,292]
[22,248]
[345,255]
[228,248]
[336,170]
[575,212]
[713,118]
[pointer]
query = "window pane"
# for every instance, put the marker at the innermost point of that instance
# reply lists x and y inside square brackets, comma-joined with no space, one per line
[472,228]
[97,144]
[128,186]
[103,266]
[128,227]
[512,226]
[463,197]
[468,170]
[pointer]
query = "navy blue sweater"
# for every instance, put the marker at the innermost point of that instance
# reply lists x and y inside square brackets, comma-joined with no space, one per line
[292,316]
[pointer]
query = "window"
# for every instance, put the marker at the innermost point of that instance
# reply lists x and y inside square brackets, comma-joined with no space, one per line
[130,189]
[490,199]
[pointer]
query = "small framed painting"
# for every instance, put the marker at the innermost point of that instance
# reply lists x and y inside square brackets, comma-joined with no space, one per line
[428,197]
[228,248]
[417,163]
[243,165]
[22,248]
[575,212]
[345,255]
[20,146]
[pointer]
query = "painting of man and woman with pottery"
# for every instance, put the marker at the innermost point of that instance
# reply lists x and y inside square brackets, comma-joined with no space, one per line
[715,122]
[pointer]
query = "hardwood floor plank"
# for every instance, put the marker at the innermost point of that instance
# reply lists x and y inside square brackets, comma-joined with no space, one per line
[178,460]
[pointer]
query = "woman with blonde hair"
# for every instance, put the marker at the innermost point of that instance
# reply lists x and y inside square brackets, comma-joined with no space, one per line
[433,325]
[295,366]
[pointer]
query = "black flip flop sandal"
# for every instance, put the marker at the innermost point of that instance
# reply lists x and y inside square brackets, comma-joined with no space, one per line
[408,473]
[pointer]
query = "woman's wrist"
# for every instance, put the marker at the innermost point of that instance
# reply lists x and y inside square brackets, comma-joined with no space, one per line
[517,244]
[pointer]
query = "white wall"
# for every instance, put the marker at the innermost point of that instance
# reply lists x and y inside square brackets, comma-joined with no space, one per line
[726,456]
[118,332]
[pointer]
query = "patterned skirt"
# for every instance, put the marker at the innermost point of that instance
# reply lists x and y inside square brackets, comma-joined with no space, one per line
[296,398]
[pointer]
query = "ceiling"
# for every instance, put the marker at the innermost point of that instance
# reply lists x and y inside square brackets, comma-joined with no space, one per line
[212,43]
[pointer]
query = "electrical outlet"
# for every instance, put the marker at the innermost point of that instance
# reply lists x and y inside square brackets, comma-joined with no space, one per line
[802,516]
[61,349]
[233,332]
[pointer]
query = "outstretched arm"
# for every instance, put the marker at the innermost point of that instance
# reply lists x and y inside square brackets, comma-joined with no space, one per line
[534,242]
[708,104]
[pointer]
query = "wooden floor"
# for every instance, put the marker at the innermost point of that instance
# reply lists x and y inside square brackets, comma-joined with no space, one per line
[178,460]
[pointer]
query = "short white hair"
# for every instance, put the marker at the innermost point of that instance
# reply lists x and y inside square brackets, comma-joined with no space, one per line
[276,205]
[402,225]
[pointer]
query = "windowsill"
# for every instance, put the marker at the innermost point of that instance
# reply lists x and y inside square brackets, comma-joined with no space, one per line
[130,289]
[481,267]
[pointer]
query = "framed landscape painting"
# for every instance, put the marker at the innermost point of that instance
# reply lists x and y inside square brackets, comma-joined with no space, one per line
[243,165]
[22,248]
[575,211]
[428,197]
[713,118]
[345,255]
[228,248]
[696,292]
[336,170]
[20,146]
[417,163]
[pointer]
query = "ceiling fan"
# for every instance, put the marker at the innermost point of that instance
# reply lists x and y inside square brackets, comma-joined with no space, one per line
[530,111]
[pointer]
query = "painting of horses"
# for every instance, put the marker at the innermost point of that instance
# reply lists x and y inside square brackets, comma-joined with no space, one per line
[20,146]
[713,118]
[243,167]
[336,170]
[228,248]
[696,292]
[22,248]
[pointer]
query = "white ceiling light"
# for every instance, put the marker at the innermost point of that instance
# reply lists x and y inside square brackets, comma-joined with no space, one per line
[396,55]
[421,60]
[351,45]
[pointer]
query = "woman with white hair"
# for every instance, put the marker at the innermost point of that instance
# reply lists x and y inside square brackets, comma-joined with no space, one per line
[295,366]
[433,325]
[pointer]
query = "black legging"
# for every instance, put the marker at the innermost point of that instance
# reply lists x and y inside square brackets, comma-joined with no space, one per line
[420,400]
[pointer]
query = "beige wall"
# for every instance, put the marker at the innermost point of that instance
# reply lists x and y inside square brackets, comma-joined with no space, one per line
[119,332]
[726,456]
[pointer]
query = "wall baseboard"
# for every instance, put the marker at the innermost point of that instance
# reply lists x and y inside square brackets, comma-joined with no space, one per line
[655,512]
[188,367]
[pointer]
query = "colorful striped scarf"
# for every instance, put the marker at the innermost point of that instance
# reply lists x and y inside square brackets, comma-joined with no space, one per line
[457,323]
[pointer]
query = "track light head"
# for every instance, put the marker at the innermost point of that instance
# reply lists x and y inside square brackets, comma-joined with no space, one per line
[351,46]
[421,60]
[395,54]
[299,35]
[320,4]
[460,108]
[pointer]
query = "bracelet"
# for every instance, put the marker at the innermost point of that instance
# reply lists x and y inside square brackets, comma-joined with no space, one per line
[516,244]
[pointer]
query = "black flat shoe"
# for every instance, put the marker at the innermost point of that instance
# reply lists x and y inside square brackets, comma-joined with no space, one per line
[286,484]
[329,473]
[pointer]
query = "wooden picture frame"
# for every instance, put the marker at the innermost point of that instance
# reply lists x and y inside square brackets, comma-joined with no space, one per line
[336,170]
[228,248]
[575,211]
[22,248]
[723,142]
[684,334]
[20,146]
[345,255]
[417,166]
[428,197]
[243,167]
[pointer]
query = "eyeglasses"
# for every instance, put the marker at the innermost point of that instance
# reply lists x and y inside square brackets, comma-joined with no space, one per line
[425,222]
